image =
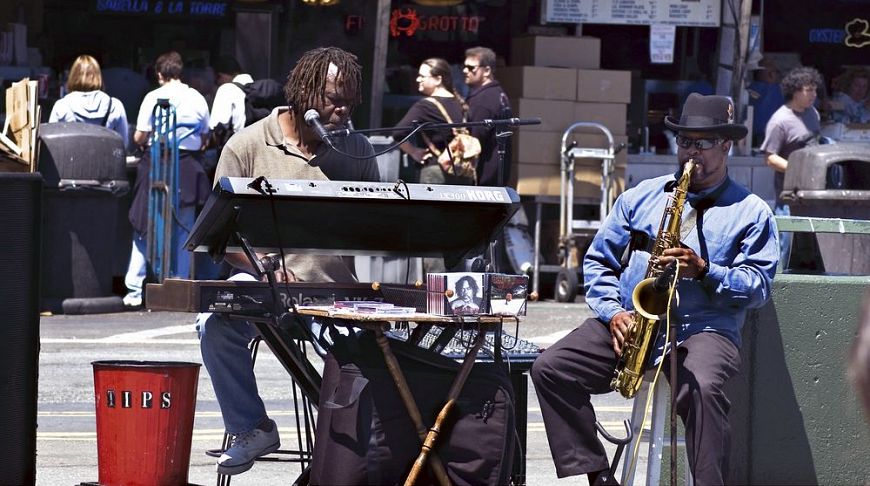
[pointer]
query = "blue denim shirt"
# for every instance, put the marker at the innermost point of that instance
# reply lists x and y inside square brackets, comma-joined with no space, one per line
[737,236]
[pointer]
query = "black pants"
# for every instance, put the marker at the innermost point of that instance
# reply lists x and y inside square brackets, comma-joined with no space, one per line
[582,364]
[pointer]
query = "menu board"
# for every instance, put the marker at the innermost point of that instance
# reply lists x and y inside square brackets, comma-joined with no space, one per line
[696,13]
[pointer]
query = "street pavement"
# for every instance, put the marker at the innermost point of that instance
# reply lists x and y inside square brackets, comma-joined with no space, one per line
[66,428]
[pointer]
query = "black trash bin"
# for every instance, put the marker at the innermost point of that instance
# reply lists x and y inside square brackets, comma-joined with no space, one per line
[831,181]
[84,169]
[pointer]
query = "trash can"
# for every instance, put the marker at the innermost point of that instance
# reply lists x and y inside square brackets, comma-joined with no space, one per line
[84,171]
[144,412]
[831,181]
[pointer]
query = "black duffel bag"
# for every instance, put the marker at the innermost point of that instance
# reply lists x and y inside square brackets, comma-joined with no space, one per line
[364,433]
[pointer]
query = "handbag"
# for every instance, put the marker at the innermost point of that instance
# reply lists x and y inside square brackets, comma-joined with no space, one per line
[463,150]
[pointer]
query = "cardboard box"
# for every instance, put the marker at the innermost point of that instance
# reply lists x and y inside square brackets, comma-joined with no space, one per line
[570,52]
[555,115]
[536,147]
[539,82]
[544,180]
[611,115]
[603,86]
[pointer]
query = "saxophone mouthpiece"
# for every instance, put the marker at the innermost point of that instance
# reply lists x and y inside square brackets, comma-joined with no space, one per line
[687,167]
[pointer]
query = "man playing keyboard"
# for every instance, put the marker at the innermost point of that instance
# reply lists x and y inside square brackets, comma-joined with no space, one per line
[282,146]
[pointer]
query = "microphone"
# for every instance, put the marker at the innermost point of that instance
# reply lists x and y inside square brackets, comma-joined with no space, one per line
[512,122]
[312,119]
[663,281]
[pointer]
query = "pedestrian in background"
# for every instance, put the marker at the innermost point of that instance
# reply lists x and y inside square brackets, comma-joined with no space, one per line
[765,97]
[191,134]
[86,102]
[851,103]
[486,100]
[435,82]
[228,108]
[795,125]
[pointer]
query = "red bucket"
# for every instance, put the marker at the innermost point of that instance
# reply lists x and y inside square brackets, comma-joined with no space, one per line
[145,415]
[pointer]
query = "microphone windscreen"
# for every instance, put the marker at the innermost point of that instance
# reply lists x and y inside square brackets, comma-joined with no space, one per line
[311,115]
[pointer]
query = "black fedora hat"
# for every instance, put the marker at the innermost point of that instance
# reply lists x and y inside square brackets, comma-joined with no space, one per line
[713,114]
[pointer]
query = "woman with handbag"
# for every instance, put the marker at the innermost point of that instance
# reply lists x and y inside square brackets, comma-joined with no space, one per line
[442,104]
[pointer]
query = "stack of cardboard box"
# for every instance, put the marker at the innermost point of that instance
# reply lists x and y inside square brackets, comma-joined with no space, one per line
[558,80]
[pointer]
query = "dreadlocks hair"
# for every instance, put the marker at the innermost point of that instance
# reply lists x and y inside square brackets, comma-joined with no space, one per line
[306,83]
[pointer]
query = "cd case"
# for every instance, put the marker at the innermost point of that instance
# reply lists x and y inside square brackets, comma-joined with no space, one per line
[471,293]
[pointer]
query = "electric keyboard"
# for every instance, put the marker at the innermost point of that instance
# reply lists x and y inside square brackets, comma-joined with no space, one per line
[352,218]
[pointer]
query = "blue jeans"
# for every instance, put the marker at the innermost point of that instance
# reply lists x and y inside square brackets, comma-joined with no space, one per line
[785,237]
[223,343]
[137,268]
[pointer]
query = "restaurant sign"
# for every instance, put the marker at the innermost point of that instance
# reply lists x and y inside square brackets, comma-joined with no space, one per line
[164,8]
[405,22]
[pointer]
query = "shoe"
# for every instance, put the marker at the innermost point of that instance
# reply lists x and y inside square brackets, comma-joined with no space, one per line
[131,300]
[246,448]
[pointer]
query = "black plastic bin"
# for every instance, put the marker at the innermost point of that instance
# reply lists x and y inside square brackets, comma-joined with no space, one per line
[831,181]
[84,169]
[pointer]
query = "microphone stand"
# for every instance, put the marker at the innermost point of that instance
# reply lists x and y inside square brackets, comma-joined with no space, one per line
[499,126]
[427,126]
[501,139]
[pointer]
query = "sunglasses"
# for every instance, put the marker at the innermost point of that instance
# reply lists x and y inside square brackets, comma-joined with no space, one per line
[699,143]
[469,68]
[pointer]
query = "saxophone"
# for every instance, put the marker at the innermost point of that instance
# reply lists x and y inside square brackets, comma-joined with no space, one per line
[649,303]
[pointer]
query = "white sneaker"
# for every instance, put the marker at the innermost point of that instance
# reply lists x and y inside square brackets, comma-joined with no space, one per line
[247,447]
[131,300]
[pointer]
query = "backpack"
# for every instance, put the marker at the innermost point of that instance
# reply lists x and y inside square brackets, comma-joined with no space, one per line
[463,150]
[365,436]
[261,96]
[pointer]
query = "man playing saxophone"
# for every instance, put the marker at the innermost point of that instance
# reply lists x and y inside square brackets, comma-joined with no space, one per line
[727,251]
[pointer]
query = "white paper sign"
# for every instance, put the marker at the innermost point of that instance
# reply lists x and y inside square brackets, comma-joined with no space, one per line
[697,13]
[565,11]
[661,43]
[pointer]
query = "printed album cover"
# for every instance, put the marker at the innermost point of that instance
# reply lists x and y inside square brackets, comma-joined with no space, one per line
[507,294]
[477,293]
[468,293]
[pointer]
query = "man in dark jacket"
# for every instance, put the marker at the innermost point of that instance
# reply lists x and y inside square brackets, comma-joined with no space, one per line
[486,100]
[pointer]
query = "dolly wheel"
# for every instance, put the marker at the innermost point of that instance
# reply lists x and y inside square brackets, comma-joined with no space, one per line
[567,283]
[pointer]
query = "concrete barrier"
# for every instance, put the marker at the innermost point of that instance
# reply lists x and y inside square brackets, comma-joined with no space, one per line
[795,418]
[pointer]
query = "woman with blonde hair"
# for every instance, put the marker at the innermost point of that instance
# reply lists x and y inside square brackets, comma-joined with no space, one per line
[86,102]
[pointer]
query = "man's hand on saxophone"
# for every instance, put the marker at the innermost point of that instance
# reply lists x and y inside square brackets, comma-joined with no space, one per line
[619,325]
[691,265]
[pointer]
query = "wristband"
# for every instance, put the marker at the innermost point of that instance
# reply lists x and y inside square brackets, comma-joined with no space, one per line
[703,272]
